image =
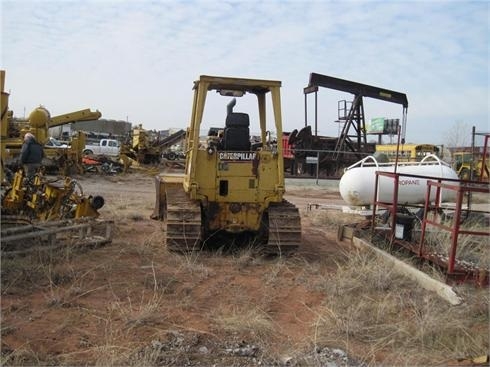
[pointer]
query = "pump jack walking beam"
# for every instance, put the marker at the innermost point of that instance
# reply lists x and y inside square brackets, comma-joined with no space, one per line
[358,89]
[355,117]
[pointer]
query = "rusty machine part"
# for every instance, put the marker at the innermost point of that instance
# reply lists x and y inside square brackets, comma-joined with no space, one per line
[59,159]
[21,236]
[148,147]
[231,188]
[44,199]
[420,229]
[39,122]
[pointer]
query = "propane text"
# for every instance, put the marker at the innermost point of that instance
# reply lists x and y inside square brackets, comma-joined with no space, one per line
[410,182]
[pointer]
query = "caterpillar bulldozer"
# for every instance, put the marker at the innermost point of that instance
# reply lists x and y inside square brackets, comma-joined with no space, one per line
[230,187]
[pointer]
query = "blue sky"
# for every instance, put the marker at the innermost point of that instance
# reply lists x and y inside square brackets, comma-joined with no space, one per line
[137,60]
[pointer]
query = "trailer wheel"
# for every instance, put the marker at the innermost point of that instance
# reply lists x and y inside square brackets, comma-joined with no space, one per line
[292,137]
[171,156]
[465,174]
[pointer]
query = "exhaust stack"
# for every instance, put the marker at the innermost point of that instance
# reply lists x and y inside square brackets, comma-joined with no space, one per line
[230,105]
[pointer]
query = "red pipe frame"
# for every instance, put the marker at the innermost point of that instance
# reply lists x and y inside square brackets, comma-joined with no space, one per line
[480,277]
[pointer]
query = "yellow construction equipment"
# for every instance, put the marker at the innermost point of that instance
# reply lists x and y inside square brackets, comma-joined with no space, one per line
[145,145]
[40,120]
[471,166]
[38,123]
[148,147]
[230,186]
[4,107]
[44,199]
[38,197]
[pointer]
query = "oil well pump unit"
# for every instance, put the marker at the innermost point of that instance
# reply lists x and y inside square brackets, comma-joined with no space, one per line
[333,154]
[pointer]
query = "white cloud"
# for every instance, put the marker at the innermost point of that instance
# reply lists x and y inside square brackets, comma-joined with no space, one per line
[139,58]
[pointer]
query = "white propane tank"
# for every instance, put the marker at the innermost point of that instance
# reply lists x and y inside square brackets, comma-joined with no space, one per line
[356,185]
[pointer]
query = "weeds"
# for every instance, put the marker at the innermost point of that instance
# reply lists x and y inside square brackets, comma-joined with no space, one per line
[131,296]
[143,312]
[471,249]
[249,320]
[190,263]
[330,218]
[277,270]
[25,356]
[368,302]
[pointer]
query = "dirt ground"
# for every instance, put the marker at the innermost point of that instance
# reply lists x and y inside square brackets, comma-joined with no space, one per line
[132,302]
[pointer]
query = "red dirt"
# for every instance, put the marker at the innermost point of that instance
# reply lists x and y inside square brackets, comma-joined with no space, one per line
[70,311]
[118,304]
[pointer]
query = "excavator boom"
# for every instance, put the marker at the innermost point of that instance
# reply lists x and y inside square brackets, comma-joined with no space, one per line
[82,115]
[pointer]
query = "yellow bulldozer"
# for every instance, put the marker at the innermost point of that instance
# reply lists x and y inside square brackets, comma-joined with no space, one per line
[231,188]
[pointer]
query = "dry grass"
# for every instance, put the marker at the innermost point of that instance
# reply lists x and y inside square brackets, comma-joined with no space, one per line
[123,207]
[472,249]
[276,272]
[114,350]
[331,218]
[247,319]
[191,264]
[143,311]
[26,356]
[480,198]
[366,304]
[369,303]
[23,273]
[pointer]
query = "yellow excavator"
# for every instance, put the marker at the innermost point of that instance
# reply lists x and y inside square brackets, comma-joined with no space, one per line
[230,186]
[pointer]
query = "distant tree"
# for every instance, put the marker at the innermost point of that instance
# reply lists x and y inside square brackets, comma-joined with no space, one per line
[458,135]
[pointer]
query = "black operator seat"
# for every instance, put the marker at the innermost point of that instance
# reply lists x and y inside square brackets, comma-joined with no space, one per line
[237,132]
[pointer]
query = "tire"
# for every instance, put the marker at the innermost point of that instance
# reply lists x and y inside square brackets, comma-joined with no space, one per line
[292,137]
[88,152]
[465,174]
[171,156]
[106,168]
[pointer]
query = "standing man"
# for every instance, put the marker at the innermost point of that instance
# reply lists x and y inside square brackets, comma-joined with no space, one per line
[31,155]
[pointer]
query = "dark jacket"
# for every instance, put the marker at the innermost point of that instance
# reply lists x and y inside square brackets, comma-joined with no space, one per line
[31,152]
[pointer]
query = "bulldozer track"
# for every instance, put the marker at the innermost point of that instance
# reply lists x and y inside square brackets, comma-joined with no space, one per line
[183,224]
[183,220]
[284,228]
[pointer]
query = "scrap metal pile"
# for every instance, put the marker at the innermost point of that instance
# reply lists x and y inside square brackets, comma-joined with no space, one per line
[20,237]
[41,198]
[40,213]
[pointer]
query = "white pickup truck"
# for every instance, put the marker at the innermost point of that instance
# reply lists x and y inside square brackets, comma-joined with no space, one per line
[108,147]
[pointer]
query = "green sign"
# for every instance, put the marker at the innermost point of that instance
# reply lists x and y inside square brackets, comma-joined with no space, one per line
[376,126]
